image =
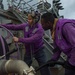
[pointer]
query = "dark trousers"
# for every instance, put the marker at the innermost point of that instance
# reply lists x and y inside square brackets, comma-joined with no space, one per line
[41,59]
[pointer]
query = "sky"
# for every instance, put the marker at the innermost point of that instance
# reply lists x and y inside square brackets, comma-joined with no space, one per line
[69,8]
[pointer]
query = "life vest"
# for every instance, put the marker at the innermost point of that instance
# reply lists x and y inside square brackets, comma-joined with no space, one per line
[59,38]
[31,32]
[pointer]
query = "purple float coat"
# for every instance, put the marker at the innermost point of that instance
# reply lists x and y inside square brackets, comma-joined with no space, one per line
[65,39]
[32,35]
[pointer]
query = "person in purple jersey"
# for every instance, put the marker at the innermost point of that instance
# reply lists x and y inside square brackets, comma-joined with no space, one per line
[63,35]
[33,41]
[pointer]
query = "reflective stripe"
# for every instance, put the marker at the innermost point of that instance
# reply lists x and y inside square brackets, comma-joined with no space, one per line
[26,28]
[59,36]
[34,30]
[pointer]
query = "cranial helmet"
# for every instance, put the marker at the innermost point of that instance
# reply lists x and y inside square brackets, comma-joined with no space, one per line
[35,15]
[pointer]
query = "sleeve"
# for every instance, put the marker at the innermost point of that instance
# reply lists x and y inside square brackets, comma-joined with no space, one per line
[56,54]
[14,27]
[39,34]
[69,34]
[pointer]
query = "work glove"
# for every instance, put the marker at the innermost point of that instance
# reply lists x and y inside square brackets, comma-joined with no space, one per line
[51,63]
[67,65]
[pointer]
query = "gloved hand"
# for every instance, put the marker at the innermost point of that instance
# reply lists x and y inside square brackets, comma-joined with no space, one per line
[51,63]
[67,65]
